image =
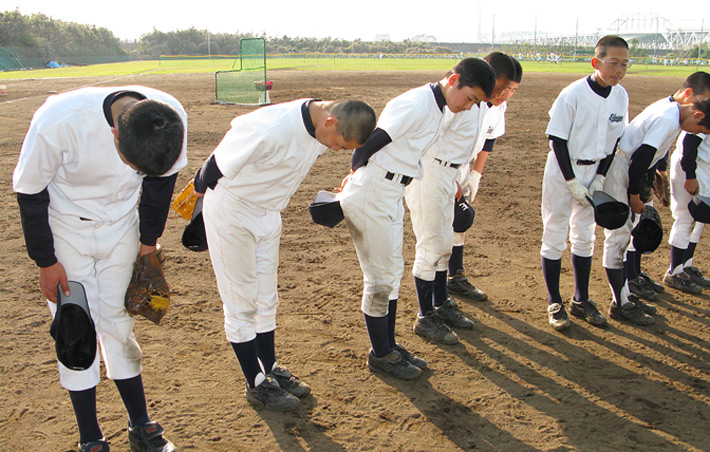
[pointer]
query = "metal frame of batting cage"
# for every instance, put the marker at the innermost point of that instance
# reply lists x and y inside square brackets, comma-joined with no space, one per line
[248,63]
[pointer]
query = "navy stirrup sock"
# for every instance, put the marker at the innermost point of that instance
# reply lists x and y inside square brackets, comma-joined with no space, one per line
[689,253]
[84,404]
[425,295]
[677,258]
[441,292]
[377,329]
[551,272]
[456,260]
[616,282]
[133,395]
[582,269]
[391,321]
[248,359]
[265,349]
[630,265]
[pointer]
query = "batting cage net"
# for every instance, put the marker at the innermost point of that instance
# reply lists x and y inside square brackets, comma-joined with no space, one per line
[246,83]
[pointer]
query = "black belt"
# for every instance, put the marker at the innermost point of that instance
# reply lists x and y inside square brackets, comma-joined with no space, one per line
[444,163]
[405,180]
[586,162]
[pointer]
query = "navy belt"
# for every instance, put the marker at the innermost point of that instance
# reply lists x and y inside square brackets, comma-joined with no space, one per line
[405,180]
[447,164]
[586,162]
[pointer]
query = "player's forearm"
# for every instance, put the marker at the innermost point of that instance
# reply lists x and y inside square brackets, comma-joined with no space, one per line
[207,176]
[480,162]
[690,154]
[559,146]
[377,141]
[640,164]
[154,207]
[34,215]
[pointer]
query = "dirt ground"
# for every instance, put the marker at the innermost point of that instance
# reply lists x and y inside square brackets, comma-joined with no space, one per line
[512,384]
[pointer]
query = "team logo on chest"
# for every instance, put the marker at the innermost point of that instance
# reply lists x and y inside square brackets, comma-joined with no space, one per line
[615,118]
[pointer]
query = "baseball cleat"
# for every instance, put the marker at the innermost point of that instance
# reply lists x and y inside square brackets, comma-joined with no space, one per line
[459,285]
[419,362]
[630,312]
[645,307]
[149,438]
[642,289]
[451,315]
[696,276]
[270,395]
[654,285]
[289,382]
[430,326]
[588,311]
[557,316]
[682,282]
[394,365]
[94,446]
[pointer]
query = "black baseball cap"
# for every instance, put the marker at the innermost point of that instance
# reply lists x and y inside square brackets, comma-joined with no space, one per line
[73,329]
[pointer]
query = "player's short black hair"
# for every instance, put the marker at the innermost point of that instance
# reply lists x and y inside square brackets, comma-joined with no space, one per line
[518,71]
[475,72]
[699,82]
[604,43]
[704,106]
[150,136]
[356,120]
[502,64]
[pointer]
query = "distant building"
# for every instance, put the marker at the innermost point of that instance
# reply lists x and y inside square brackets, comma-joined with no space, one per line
[382,37]
[424,38]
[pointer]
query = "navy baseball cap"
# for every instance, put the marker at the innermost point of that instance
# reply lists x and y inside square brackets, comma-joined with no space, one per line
[463,215]
[194,236]
[73,329]
[608,212]
[325,209]
[648,232]
[699,208]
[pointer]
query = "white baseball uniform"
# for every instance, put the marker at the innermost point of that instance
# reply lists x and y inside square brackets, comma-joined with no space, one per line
[69,150]
[590,124]
[264,157]
[431,198]
[684,226]
[656,126]
[492,126]
[372,199]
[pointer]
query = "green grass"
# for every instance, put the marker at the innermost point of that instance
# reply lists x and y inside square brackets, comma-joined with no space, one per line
[329,63]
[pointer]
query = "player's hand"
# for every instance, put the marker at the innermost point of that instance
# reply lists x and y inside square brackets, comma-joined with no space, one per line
[197,193]
[343,183]
[636,204]
[692,187]
[579,193]
[49,278]
[473,182]
[596,185]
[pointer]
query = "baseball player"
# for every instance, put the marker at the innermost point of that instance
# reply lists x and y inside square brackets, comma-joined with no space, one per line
[688,178]
[251,176]
[89,157]
[372,198]
[586,121]
[470,179]
[640,283]
[431,203]
[643,144]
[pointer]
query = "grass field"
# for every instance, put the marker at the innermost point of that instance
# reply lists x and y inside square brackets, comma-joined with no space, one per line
[186,66]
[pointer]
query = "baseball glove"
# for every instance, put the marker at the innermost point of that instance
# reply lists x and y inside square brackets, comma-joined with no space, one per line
[662,188]
[148,293]
[184,203]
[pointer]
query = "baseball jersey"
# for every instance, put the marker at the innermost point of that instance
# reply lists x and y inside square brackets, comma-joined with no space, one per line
[656,126]
[589,123]
[267,153]
[69,150]
[413,120]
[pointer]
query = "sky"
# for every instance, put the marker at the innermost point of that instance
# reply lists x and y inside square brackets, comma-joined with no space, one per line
[467,21]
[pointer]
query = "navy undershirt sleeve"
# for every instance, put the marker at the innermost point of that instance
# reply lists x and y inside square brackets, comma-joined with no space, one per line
[34,215]
[154,206]
[605,164]
[207,176]
[377,141]
[488,145]
[640,164]
[559,146]
[690,153]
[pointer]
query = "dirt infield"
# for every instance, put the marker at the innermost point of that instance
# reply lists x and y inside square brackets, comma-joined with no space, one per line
[512,384]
